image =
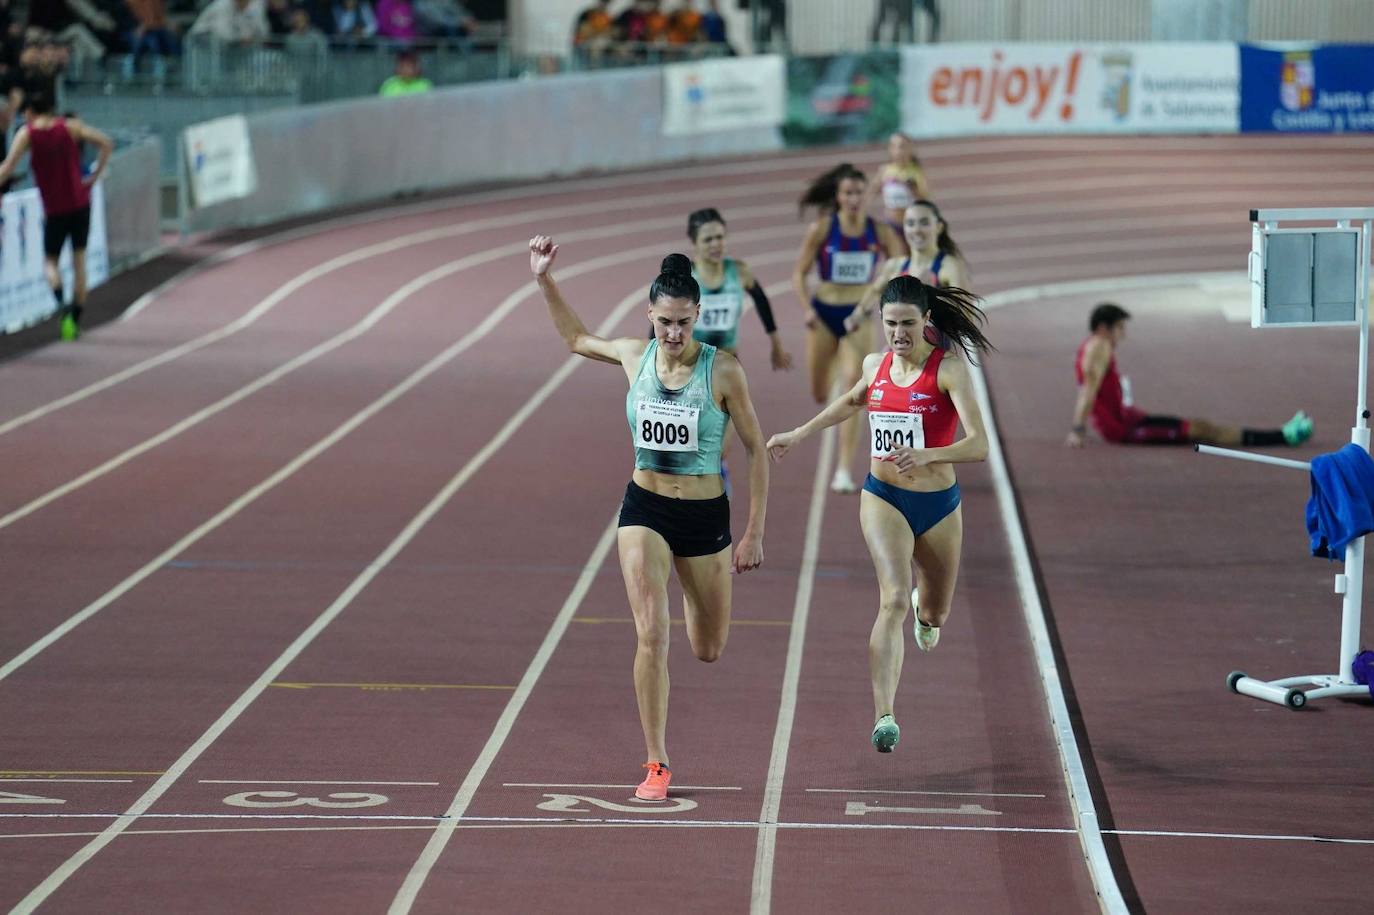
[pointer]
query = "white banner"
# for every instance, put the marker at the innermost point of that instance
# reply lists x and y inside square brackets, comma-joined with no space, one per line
[25,298]
[984,88]
[219,160]
[712,95]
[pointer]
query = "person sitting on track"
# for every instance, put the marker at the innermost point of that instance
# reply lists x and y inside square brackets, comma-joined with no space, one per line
[845,245]
[675,514]
[935,259]
[916,395]
[1105,394]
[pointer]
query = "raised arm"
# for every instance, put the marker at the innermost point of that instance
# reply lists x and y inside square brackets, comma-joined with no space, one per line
[85,133]
[565,320]
[735,392]
[1097,355]
[849,403]
[20,146]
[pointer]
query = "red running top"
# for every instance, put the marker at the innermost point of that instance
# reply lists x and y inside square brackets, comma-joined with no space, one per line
[922,397]
[56,163]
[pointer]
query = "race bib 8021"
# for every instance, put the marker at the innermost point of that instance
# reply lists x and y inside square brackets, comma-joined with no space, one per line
[851,268]
[891,431]
[662,426]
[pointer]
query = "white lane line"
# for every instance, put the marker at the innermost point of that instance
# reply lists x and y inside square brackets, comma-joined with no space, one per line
[539,822]
[357,255]
[352,333]
[675,787]
[761,895]
[493,320]
[932,793]
[263,781]
[174,772]
[419,871]
[6,780]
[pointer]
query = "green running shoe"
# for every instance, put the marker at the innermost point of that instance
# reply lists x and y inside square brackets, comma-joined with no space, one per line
[69,330]
[886,734]
[1298,429]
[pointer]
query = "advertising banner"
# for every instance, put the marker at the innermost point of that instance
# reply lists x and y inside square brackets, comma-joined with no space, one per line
[987,88]
[219,161]
[25,298]
[849,98]
[715,95]
[1313,89]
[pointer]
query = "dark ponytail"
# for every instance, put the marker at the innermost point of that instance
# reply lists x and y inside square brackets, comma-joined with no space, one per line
[675,280]
[821,193]
[945,242]
[698,218]
[954,312]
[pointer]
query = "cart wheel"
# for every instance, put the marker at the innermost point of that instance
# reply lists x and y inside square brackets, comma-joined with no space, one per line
[1295,699]
[1233,678]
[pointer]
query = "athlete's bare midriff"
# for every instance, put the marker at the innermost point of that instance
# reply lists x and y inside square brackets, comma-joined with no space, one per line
[840,293]
[679,486]
[931,478]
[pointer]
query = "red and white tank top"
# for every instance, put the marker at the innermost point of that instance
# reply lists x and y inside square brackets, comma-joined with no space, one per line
[1112,415]
[56,164]
[919,415]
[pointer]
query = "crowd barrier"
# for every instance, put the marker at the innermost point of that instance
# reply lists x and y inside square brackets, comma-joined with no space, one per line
[339,154]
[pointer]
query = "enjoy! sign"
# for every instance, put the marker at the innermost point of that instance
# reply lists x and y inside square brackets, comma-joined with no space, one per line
[971,89]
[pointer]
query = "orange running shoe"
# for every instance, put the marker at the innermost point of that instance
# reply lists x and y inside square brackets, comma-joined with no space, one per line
[655,784]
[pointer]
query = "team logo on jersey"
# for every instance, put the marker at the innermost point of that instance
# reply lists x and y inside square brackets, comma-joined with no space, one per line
[917,395]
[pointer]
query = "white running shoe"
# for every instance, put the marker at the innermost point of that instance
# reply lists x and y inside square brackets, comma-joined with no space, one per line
[842,481]
[927,637]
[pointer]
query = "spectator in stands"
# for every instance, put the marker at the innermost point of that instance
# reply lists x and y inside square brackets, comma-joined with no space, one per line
[279,17]
[241,22]
[770,21]
[595,29]
[396,20]
[354,19]
[656,23]
[446,19]
[152,33]
[74,23]
[902,14]
[685,24]
[631,25]
[407,79]
[304,40]
[41,62]
[713,26]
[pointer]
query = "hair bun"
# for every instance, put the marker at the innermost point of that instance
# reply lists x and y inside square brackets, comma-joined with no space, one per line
[677,265]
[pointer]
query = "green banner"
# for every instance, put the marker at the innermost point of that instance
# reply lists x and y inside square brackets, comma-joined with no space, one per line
[849,98]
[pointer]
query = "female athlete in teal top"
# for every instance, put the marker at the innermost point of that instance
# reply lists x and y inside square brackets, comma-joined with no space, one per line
[675,514]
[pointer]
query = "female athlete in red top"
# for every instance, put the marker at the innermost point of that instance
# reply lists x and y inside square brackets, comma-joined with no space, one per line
[916,396]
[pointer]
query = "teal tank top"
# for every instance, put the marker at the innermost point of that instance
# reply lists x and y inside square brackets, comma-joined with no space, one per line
[720,309]
[676,431]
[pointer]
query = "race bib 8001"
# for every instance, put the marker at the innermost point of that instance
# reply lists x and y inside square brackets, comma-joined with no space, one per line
[891,431]
[661,426]
[719,311]
[851,268]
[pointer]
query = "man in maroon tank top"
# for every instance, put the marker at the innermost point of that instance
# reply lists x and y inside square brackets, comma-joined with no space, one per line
[1104,395]
[54,147]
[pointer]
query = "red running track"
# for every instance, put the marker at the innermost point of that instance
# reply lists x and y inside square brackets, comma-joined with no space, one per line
[279,598]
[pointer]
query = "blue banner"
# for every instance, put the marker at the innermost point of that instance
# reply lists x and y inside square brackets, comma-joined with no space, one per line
[1318,89]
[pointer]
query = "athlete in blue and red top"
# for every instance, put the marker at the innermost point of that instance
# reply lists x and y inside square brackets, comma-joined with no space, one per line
[53,145]
[916,396]
[845,246]
[1105,394]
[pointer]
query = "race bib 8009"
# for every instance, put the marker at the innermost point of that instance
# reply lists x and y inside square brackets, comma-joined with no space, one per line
[891,431]
[719,311]
[662,426]
[851,268]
